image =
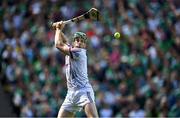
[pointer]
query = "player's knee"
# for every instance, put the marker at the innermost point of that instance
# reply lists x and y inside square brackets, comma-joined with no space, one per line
[91,111]
[63,113]
[92,115]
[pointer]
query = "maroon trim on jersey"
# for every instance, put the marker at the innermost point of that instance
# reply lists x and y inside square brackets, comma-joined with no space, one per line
[89,97]
[71,55]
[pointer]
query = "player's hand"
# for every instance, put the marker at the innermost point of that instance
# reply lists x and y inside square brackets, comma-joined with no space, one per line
[60,25]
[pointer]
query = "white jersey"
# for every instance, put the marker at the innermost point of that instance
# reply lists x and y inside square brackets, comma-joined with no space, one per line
[76,70]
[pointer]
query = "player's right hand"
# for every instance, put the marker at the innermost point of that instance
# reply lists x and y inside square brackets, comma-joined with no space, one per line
[59,25]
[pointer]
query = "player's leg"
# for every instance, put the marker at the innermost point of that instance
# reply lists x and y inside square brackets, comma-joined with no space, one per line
[64,113]
[85,99]
[90,110]
[66,109]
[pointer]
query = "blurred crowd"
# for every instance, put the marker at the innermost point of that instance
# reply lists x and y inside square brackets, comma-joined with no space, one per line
[135,76]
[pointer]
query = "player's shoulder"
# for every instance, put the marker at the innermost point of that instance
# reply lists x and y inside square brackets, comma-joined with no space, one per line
[74,49]
[78,53]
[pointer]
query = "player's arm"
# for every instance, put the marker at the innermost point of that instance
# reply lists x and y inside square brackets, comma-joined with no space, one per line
[61,42]
[61,39]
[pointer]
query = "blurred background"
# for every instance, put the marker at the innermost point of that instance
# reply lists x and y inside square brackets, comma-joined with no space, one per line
[136,76]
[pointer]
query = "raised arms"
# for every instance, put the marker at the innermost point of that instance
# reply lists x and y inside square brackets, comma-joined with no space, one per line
[61,39]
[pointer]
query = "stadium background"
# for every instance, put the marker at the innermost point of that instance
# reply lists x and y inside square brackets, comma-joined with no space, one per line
[135,76]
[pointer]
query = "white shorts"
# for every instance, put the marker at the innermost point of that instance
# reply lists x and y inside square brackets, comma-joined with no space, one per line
[76,100]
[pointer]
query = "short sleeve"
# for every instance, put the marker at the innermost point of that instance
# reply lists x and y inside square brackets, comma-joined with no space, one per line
[74,53]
